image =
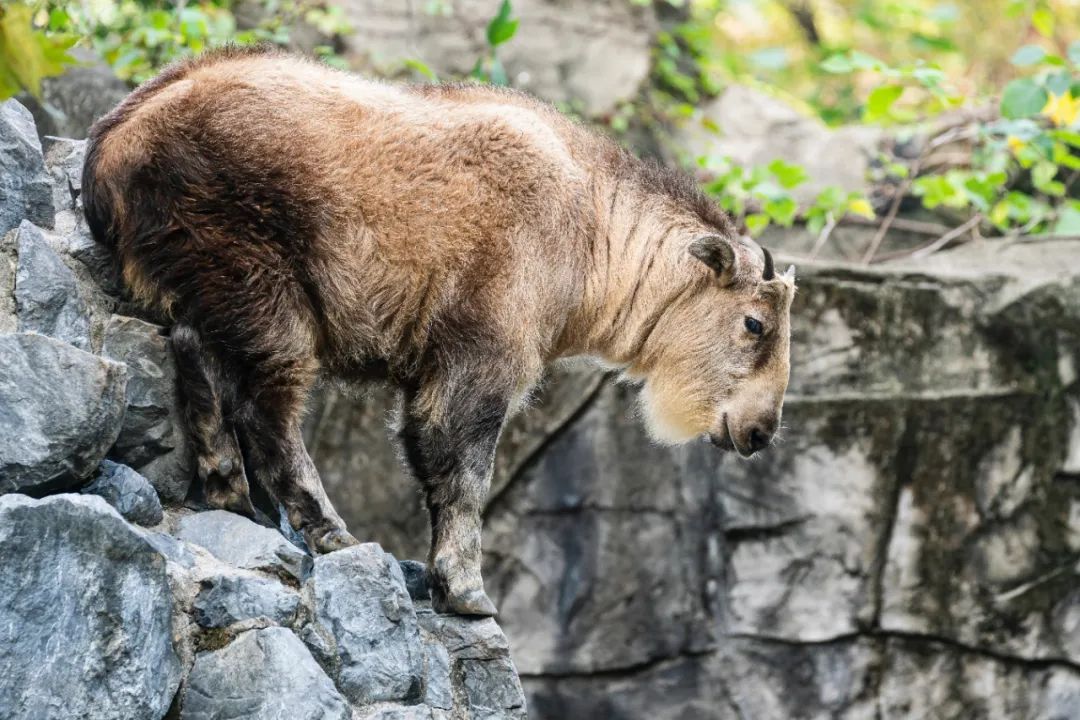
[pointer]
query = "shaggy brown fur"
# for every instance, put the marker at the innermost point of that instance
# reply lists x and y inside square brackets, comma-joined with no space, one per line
[451,239]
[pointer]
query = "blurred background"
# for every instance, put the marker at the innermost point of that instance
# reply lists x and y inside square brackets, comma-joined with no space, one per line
[911,548]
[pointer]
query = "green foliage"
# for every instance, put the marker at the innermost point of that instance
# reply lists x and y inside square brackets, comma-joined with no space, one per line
[500,30]
[27,53]
[761,196]
[902,62]
[137,37]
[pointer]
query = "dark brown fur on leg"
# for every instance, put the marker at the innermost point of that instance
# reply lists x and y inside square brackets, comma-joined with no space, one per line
[220,465]
[452,451]
[269,431]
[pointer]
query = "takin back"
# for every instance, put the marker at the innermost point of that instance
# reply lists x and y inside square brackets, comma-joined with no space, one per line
[297,222]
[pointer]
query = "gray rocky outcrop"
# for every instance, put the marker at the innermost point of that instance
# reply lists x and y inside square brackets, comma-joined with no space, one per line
[85,612]
[71,102]
[152,438]
[358,621]
[126,490]
[261,675]
[25,189]
[60,411]
[240,542]
[228,599]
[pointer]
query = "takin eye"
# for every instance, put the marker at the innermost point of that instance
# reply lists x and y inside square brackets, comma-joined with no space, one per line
[753,326]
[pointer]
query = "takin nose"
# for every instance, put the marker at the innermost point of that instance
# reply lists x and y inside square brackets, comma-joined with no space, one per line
[760,436]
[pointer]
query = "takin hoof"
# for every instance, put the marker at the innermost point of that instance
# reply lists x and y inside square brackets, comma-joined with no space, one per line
[226,486]
[330,540]
[233,502]
[474,602]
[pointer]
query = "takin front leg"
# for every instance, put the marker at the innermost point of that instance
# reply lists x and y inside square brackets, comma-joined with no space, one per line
[219,462]
[449,435]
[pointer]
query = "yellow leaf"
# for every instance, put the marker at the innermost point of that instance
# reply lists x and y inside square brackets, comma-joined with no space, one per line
[862,207]
[1062,109]
[1015,144]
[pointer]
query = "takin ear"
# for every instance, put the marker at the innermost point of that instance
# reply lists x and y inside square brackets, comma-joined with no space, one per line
[718,254]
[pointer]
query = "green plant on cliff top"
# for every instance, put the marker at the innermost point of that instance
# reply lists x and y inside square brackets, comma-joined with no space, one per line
[138,37]
[27,53]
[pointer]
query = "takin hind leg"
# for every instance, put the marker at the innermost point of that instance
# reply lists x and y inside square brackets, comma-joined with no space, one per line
[269,429]
[202,385]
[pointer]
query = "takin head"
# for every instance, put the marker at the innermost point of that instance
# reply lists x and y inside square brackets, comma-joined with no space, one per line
[719,359]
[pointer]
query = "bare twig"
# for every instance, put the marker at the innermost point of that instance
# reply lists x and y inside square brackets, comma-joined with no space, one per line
[823,236]
[948,237]
[919,227]
[894,208]
[931,247]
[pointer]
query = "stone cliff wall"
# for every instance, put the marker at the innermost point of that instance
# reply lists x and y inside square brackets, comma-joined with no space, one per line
[116,601]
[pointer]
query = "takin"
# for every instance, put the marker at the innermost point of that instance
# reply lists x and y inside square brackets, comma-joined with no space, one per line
[296,222]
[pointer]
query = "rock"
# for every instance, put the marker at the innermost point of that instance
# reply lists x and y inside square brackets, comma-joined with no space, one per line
[25,186]
[438,688]
[398,712]
[416,579]
[593,58]
[126,490]
[483,678]
[64,161]
[927,679]
[466,637]
[48,299]
[60,411]
[753,128]
[228,599]
[153,438]
[241,543]
[73,101]
[84,614]
[9,260]
[361,601]
[491,689]
[262,675]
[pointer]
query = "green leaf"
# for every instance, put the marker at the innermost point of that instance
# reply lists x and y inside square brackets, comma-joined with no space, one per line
[880,102]
[421,68]
[1059,83]
[757,222]
[28,55]
[838,64]
[862,61]
[1068,221]
[501,28]
[782,210]
[1043,21]
[1022,98]
[1042,177]
[788,175]
[1028,55]
[1073,52]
